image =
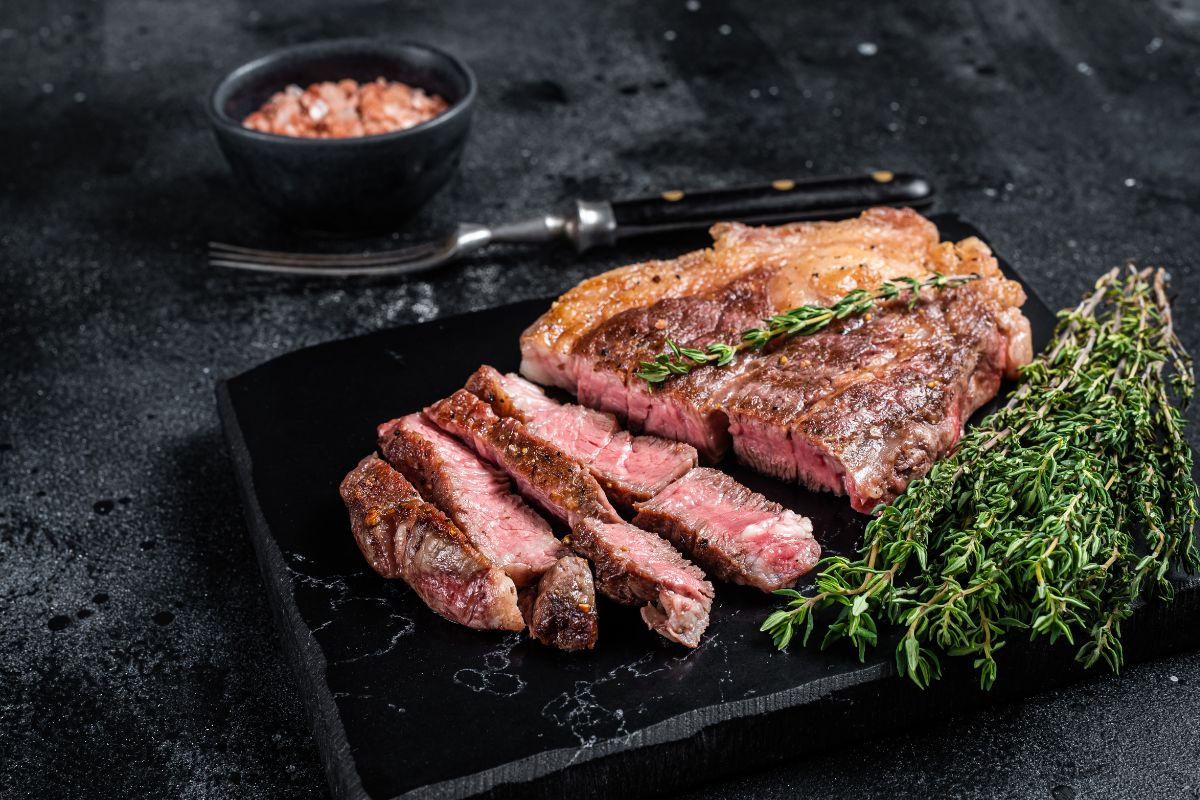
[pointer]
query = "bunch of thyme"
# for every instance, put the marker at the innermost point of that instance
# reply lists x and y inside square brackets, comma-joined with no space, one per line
[799,321]
[1051,517]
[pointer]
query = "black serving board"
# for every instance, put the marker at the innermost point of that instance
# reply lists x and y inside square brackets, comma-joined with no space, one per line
[405,704]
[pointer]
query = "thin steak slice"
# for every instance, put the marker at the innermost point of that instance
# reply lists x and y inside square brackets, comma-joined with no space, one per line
[477,496]
[629,468]
[402,536]
[635,567]
[541,471]
[734,533]
[563,613]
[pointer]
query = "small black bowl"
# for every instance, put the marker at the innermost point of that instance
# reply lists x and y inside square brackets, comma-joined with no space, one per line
[353,183]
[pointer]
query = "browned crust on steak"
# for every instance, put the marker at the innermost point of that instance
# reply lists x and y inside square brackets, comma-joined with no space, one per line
[715,562]
[674,595]
[486,384]
[623,488]
[402,536]
[807,262]
[563,614]
[542,472]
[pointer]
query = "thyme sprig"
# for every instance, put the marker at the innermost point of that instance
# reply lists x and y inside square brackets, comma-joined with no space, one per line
[801,321]
[1052,516]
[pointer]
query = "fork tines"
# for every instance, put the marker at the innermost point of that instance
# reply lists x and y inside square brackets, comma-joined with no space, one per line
[236,257]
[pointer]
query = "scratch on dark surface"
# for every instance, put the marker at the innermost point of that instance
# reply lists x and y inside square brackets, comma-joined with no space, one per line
[492,677]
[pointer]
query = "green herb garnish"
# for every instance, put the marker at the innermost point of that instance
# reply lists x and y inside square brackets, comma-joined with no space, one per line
[793,322]
[1052,516]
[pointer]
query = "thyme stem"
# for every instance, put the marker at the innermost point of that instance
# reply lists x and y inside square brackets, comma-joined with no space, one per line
[801,321]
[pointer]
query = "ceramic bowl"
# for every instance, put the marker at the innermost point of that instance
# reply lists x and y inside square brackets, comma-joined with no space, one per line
[356,183]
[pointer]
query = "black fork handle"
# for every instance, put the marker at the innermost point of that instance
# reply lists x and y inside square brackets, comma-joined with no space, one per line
[783,200]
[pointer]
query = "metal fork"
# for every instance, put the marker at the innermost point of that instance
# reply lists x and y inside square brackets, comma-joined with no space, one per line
[593,223]
[466,239]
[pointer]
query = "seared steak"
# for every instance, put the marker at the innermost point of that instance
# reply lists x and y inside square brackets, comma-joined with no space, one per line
[812,262]
[402,536]
[734,533]
[629,468]
[632,566]
[563,614]
[475,495]
[868,406]
[541,471]
[861,408]
[635,567]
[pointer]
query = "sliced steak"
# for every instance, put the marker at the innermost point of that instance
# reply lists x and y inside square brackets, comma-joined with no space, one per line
[635,568]
[629,468]
[476,496]
[632,566]
[870,405]
[563,613]
[542,472]
[402,536]
[736,534]
[686,408]
[861,408]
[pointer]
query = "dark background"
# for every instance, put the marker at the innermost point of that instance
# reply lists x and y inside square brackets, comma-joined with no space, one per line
[137,654]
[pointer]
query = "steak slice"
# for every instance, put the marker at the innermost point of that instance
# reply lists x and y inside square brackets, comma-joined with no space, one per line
[475,495]
[563,613]
[402,536]
[632,566]
[734,533]
[870,405]
[686,408]
[638,568]
[629,468]
[541,471]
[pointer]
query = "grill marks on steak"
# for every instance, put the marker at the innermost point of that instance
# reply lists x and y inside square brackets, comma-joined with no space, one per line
[629,468]
[563,613]
[402,536]
[475,495]
[734,533]
[635,568]
[542,472]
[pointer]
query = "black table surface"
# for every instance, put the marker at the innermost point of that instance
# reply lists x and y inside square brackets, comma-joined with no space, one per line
[137,653]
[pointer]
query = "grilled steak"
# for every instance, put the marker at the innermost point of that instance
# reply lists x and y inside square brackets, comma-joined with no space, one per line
[812,262]
[476,496]
[402,536]
[629,468]
[862,408]
[867,407]
[734,533]
[632,566]
[635,567]
[563,614]
[541,471]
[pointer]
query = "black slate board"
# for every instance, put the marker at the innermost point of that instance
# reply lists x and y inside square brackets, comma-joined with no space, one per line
[405,704]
